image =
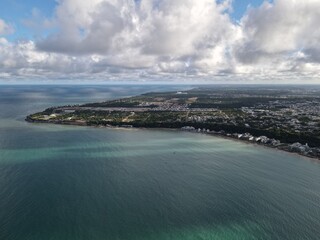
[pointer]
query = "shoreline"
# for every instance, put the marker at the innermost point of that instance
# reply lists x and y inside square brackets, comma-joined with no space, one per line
[211,133]
[313,158]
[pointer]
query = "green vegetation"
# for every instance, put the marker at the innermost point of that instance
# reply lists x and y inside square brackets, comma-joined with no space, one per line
[289,115]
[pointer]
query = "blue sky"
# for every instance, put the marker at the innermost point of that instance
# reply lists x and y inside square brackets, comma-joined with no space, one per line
[15,12]
[241,6]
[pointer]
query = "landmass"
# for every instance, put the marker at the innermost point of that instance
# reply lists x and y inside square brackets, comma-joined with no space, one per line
[282,117]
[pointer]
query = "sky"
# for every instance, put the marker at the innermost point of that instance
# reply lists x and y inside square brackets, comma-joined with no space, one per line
[210,41]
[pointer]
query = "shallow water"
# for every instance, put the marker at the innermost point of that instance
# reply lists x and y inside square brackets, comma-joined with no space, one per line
[74,183]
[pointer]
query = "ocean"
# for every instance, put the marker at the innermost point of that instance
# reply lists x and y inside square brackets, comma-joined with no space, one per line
[88,183]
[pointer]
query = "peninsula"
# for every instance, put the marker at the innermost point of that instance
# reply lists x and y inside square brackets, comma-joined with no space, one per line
[282,117]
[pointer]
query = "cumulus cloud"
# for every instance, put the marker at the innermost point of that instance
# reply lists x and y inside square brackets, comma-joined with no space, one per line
[284,32]
[172,38]
[165,35]
[24,60]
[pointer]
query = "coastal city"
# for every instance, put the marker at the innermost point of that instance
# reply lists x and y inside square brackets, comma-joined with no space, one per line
[283,118]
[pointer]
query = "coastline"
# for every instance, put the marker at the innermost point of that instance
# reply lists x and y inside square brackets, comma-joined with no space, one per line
[313,158]
[212,133]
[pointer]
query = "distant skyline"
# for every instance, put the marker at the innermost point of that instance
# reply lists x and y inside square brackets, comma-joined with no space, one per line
[176,41]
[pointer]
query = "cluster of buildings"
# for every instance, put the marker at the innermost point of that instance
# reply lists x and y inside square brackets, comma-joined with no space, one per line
[297,116]
[302,149]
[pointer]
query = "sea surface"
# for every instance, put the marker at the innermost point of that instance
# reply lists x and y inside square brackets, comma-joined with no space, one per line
[87,183]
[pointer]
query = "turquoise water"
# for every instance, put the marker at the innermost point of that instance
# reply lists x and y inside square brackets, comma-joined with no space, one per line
[74,183]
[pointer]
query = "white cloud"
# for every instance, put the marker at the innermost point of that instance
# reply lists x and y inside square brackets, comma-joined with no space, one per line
[148,34]
[173,38]
[283,32]
[23,60]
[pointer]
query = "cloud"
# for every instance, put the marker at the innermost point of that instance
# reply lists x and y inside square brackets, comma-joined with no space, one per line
[163,35]
[5,28]
[169,39]
[281,31]
[23,60]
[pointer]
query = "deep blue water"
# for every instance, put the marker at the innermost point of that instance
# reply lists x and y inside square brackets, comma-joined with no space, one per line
[74,183]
